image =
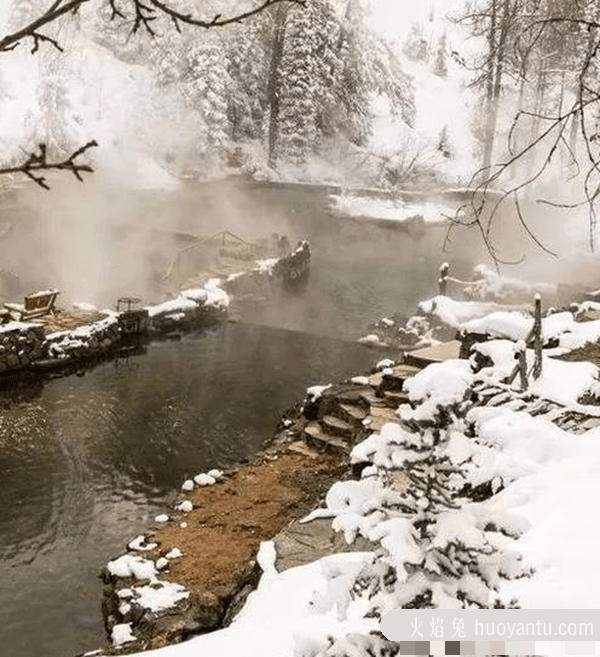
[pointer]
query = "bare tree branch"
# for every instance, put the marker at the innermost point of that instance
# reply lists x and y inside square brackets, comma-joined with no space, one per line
[37,162]
[146,11]
[31,31]
[141,12]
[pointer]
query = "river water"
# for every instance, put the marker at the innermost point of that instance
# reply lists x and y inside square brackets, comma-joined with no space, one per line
[87,462]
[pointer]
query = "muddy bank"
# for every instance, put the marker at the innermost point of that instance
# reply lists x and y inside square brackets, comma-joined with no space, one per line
[218,541]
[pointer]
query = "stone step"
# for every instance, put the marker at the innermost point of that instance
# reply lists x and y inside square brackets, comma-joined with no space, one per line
[405,371]
[384,412]
[352,414]
[436,354]
[314,435]
[350,396]
[370,398]
[376,422]
[300,447]
[395,399]
[337,427]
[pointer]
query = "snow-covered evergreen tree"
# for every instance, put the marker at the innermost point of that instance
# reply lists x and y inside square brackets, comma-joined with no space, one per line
[415,46]
[53,123]
[392,81]
[357,78]
[441,65]
[331,68]
[439,550]
[248,68]
[301,85]
[207,85]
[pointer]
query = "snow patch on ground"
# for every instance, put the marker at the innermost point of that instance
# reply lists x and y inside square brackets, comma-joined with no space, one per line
[160,595]
[129,565]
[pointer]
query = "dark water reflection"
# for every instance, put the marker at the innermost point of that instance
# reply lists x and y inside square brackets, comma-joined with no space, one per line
[86,462]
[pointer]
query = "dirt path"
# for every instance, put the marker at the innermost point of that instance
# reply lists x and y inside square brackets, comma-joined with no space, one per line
[230,519]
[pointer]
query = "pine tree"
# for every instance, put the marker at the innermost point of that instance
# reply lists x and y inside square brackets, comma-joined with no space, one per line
[298,92]
[391,81]
[207,84]
[441,66]
[248,68]
[357,78]
[415,46]
[438,550]
[53,124]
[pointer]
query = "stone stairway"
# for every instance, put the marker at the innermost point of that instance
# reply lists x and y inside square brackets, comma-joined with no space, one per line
[348,413]
[484,393]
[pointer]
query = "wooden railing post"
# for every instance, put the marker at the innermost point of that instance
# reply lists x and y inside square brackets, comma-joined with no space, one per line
[537,337]
[522,356]
[443,279]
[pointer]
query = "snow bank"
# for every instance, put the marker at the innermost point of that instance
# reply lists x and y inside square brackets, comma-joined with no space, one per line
[517,325]
[561,381]
[186,305]
[181,304]
[101,334]
[560,503]
[579,333]
[391,209]
[456,313]
[288,613]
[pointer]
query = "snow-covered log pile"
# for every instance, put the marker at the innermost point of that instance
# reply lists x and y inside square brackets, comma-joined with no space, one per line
[20,344]
[190,307]
[85,341]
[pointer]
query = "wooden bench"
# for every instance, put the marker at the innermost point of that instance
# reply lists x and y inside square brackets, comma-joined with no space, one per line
[35,305]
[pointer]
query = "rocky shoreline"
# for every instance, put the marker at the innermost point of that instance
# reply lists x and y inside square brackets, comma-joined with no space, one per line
[31,349]
[191,559]
[196,544]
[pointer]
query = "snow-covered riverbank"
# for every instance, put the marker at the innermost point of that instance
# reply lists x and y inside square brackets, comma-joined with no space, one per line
[459,493]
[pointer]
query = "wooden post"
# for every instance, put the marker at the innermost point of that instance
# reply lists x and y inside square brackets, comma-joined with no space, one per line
[523,365]
[443,279]
[537,337]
